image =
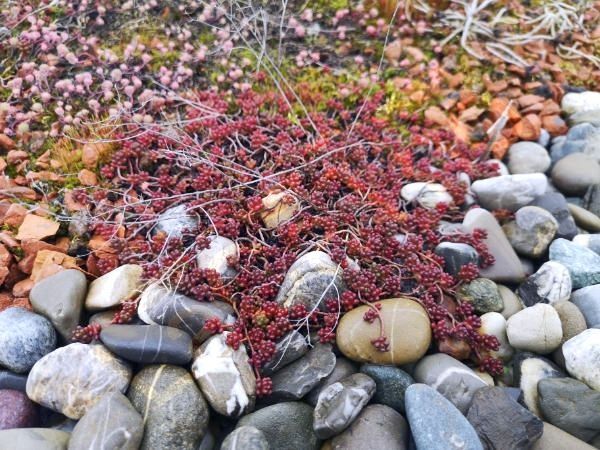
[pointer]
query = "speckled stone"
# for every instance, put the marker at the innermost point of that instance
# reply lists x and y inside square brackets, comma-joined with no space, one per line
[225,376]
[148,344]
[115,287]
[297,379]
[583,264]
[483,294]
[391,383]
[435,423]
[451,378]
[112,423]
[160,306]
[60,298]
[556,204]
[74,378]
[245,438]
[407,327]
[16,410]
[25,337]
[312,278]
[532,231]
[340,403]
[33,439]
[287,426]
[174,410]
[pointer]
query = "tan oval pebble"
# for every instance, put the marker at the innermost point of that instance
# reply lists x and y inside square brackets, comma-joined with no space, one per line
[407,329]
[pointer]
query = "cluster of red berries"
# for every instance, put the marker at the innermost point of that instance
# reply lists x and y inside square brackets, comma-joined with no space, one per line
[348,181]
[87,334]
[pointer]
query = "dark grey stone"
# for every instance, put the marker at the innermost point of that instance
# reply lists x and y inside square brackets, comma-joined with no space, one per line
[456,256]
[148,344]
[501,422]
[25,337]
[160,306]
[556,204]
[174,411]
[376,427]
[435,423]
[10,380]
[571,406]
[343,368]
[297,379]
[340,403]
[112,423]
[451,378]
[391,382]
[287,426]
[33,439]
[245,438]
[588,302]
[291,347]
[583,264]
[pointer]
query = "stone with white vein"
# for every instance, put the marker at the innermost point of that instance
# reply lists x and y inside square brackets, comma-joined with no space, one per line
[225,377]
[550,284]
[340,403]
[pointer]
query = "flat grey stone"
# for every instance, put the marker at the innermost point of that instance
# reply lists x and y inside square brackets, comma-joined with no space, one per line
[435,423]
[288,349]
[376,427]
[584,218]
[297,379]
[60,299]
[451,378]
[509,191]
[161,306]
[574,173]
[148,344]
[343,368]
[501,422]
[507,267]
[527,157]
